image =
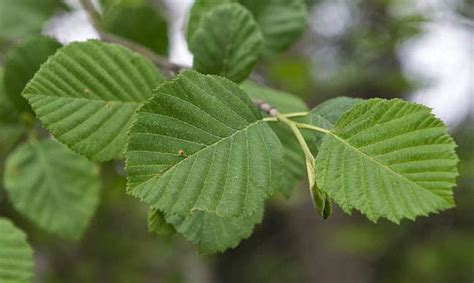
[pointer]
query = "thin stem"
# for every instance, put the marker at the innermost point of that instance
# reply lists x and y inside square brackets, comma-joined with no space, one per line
[293,126]
[158,60]
[312,127]
[296,114]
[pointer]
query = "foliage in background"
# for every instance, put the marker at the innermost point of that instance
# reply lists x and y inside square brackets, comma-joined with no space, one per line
[86,95]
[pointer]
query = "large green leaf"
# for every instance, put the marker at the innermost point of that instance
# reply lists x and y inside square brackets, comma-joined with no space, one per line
[388,158]
[212,233]
[294,158]
[53,187]
[22,62]
[227,42]
[142,23]
[200,144]
[19,18]
[326,114]
[199,8]
[281,21]
[16,256]
[87,95]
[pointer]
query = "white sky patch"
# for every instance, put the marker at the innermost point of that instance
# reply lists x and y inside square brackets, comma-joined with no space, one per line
[443,60]
[178,14]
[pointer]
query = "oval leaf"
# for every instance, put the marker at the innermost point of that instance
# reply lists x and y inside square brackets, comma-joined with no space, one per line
[199,8]
[199,143]
[16,256]
[140,22]
[87,95]
[55,188]
[227,42]
[281,21]
[388,158]
[22,62]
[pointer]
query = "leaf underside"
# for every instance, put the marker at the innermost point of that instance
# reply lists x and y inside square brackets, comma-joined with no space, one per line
[200,144]
[294,158]
[227,42]
[390,159]
[53,187]
[87,95]
[16,256]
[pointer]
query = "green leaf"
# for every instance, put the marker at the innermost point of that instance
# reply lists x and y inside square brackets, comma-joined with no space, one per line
[53,187]
[22,62]
[10,129]
[281,21]
[199,8]
[388,158]
[142,23]
[20,18]
[212,233]
[10,134]
[294,158]
[200,144]
[87,95]
[8,113]
[158,225]
[16,256]
[326,114]
[227,42]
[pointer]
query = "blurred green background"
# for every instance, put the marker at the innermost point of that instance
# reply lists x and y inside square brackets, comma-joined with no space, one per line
[351,48]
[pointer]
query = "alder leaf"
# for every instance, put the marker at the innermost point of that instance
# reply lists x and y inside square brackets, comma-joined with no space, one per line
[16,256]
[87,95]
[211,233]
[200,144]
[326,114]
[281,21]
[19,18]
[388,158]
[140,22]
[22,62]
[294,157]
[158,225]
[53,187]
[199,8]
[227,42]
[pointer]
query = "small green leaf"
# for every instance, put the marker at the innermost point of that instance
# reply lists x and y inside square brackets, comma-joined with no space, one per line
[20,18]
[87,95]
[142,23]
[388,158]
[227,42]
[200,7]
[326,114]
[281,21]
[200,144]
[53,187]
[16,256]
[212,233]
[158,225]
[294,158]
[22,62]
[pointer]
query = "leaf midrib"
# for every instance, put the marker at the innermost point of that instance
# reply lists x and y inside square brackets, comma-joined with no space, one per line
[159,175]
[380,163]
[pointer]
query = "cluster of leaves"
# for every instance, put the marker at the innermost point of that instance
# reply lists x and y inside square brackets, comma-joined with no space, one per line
[197,150]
